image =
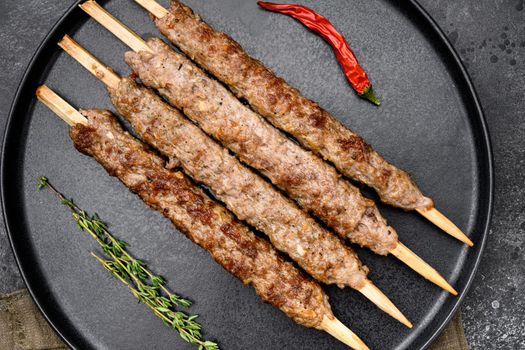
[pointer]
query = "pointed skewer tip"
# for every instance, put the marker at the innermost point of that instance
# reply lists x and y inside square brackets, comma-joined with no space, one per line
[441,221]
[375,295]
[421,267]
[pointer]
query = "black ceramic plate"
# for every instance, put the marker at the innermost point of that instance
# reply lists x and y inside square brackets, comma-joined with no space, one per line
[430,123]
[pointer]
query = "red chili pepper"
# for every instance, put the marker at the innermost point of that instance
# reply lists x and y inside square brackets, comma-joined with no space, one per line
[319,24]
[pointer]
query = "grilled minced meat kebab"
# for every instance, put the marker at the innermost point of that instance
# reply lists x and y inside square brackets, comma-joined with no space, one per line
[245,193]
[287,109]
[248,257]
[313,183]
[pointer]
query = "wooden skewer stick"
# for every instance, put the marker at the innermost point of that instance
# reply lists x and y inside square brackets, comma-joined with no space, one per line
[153,7]
[441,221]
[433,215]
[61,108]
[420,266]
[71,116]
[121,31]
[371,292]
[82,56]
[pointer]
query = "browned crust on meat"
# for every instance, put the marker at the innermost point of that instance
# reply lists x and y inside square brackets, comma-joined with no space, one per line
[286,108]
[235,247]
[245,193]
[355,146]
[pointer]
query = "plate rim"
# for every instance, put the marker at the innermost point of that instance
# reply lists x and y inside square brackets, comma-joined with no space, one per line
[23,81]
[490,164]
[450,52]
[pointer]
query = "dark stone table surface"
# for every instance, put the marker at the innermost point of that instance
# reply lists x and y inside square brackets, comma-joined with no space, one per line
[490,38]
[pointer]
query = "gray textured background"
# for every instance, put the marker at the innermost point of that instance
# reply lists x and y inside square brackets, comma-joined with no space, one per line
[490,38]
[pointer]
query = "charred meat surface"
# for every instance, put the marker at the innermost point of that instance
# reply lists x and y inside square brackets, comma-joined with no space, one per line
[287,109]
[245,193]
[251,259]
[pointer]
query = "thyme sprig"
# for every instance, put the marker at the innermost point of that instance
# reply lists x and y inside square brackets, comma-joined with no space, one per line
[146,286]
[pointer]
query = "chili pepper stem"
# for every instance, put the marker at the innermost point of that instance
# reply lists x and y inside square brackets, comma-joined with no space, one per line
[368,94]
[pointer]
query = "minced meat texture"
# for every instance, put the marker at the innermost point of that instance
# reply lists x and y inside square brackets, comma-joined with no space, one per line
[287,109]
[250,258]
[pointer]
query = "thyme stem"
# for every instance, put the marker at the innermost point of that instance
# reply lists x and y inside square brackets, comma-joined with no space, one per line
[146,286]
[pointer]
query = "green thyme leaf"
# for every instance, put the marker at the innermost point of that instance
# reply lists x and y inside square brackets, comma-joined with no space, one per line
[147,287]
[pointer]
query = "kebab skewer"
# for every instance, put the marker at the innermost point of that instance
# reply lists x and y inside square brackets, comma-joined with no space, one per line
[254,261]
[247,195]
[288,110]
[314,184]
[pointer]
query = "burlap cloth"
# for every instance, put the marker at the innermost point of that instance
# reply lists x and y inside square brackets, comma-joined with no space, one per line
[22,327]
